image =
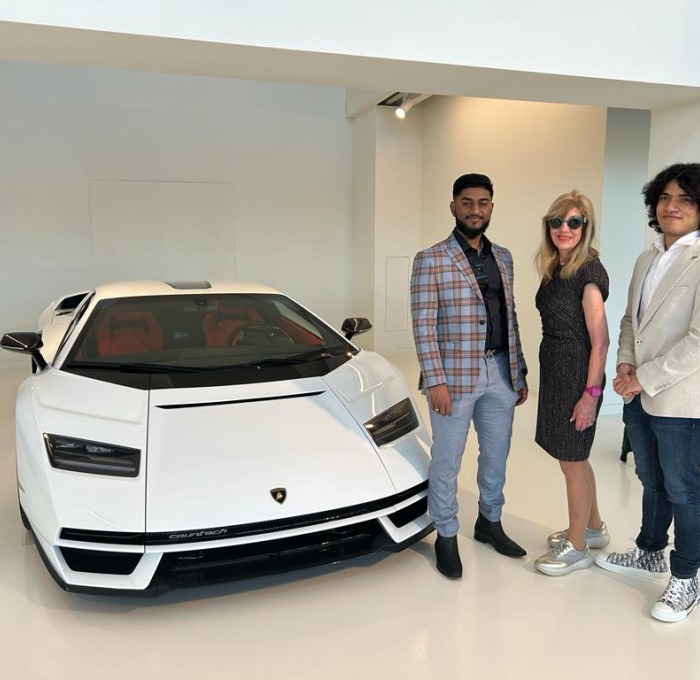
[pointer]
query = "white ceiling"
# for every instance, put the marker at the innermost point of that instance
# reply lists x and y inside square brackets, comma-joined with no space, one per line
[71,46]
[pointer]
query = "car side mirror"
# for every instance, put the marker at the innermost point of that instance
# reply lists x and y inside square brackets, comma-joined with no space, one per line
[355,325]
[26,342]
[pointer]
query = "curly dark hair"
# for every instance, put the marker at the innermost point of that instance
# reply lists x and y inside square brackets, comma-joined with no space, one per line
[688,177]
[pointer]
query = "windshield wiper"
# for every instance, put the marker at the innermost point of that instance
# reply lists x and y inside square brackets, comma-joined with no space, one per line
[305,358]
[141,367]
[296,359]
[132,368]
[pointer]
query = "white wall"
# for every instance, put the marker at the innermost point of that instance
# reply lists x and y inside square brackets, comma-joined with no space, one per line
[622,219]
[388,177]
[398,223]
[675,136]
[284,152]
[532,152]
[364,194]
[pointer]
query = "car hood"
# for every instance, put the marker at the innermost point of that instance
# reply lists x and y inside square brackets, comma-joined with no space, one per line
[220,456]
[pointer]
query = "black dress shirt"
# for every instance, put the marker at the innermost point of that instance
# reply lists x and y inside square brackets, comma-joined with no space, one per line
[489,279]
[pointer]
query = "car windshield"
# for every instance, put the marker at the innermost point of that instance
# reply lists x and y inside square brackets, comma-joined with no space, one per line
[202,332]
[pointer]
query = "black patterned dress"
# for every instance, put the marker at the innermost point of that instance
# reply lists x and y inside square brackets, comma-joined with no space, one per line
[564,353]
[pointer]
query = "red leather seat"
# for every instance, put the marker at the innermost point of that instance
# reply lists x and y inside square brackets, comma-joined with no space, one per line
[128,333]
[221,326]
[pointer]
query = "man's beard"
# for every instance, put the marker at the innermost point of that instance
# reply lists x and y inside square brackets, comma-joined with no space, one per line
[468,231]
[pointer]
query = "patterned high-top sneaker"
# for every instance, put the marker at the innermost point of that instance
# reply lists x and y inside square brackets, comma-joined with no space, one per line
[678,600]
[649,564]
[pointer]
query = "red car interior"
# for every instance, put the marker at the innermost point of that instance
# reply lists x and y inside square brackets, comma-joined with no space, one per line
[128,333]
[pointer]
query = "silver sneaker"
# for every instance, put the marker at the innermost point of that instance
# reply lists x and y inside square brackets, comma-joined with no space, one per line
[596,538]
[678,600]
[563,560]
[649,564]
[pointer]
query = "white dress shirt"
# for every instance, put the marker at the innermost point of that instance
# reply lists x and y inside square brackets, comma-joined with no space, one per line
[660,266]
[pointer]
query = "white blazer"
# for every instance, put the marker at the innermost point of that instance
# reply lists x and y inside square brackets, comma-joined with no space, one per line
[664,344]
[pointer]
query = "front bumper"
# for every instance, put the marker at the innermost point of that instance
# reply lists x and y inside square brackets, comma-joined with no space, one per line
[148,565]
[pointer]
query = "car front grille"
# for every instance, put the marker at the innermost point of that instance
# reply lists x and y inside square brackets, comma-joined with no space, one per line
[197,567]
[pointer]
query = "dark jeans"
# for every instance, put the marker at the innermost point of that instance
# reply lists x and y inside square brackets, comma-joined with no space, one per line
[667,460]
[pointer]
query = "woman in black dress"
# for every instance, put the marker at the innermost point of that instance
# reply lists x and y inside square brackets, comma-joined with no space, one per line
[574,345]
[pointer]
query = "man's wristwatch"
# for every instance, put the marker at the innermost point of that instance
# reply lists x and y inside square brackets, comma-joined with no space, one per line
[593,390]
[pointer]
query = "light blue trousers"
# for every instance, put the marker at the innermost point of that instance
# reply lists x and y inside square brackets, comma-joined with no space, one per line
[491,406]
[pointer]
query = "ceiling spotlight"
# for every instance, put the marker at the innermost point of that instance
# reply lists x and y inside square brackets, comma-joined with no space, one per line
[402,110]
[403,102]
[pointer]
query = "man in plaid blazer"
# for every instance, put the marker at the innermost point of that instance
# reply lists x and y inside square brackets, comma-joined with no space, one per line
[471,365]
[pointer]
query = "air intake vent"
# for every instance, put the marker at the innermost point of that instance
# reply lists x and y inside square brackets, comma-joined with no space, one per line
[188,285]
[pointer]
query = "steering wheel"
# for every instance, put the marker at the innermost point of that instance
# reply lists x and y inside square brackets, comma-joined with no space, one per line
[259,334]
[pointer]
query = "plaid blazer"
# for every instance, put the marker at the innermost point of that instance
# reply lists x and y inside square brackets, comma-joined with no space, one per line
[449,318]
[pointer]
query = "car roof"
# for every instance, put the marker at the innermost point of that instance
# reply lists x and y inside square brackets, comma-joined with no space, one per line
[143,288]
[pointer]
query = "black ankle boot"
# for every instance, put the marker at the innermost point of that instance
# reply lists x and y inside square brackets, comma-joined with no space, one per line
[447,556]
[492,533]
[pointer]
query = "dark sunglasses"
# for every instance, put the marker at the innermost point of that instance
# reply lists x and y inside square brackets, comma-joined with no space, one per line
[574,222]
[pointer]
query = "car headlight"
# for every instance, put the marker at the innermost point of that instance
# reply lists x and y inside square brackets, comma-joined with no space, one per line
[81,455]
[393,423]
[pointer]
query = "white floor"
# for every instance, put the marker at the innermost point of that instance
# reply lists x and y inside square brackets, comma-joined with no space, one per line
[387,617]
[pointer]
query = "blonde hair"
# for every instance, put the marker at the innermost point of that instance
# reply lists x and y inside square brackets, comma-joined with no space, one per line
[547,257]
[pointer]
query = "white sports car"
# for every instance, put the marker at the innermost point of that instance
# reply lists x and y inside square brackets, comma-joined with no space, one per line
[174,434]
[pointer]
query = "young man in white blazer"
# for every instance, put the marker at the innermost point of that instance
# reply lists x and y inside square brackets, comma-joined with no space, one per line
[658,374]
